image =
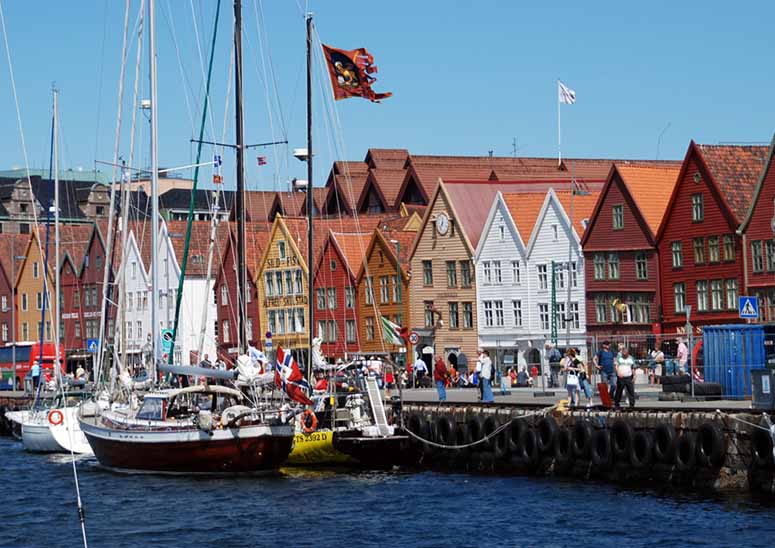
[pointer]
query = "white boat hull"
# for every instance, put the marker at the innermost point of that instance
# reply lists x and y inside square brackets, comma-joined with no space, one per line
[40,436]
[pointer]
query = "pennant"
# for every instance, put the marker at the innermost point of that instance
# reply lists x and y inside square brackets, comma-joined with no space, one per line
[567,95]
[261,160]
[288,377]
[350,72]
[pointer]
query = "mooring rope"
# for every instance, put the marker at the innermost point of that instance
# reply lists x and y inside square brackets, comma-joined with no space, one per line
[487,437]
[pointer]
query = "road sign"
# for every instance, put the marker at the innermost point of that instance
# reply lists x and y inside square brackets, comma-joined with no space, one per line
[749,308]
[414,337]
[268,334]
[166,340]
[92,345]
[217,162]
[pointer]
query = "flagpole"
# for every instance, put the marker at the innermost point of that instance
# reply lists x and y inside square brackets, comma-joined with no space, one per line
[559,149]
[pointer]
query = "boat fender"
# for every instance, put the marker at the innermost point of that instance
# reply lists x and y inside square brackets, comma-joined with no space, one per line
[309,421]
[664,442]
[502,443]
[475,431]
[641,449]
[761,448]
[711,445]
[622,433]
[563,449]
[529,452]
[461,438]
[518,425]
[547,430]
[489,425]
[445,430]
[55,417]
[600,448]
[582,439]
[686,452]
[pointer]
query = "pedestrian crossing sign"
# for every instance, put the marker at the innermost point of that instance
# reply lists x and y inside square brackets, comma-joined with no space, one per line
[749,308]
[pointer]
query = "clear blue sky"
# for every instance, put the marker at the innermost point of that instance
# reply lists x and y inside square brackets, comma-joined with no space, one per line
[467,77]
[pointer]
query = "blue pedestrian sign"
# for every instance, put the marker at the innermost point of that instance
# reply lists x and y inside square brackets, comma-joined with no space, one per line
[217,162]
[749,308]
[92,345]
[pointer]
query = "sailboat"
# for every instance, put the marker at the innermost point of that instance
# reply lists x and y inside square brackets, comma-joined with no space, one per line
[207,428]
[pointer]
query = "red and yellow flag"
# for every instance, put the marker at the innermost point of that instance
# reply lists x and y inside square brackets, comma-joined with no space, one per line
[351,72]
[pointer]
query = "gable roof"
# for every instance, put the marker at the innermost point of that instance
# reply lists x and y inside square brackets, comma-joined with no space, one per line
[199,245]
[386,158]
[524,209]
[762,177]
[650,188]
[352,247]
[12,246]
[258,204]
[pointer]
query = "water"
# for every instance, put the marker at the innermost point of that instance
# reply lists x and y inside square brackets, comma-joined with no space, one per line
[323,508]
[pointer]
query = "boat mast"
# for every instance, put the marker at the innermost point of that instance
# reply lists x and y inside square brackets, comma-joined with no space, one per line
[310,201]
[56,298]
[154,192]
[242,278]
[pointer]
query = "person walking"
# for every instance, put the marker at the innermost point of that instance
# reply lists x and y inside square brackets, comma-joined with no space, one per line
[35,372]
[420,369]
[478,373]
[572,382]
[440,378]
[683,356]
[486,378]
[624,379]
[604,364]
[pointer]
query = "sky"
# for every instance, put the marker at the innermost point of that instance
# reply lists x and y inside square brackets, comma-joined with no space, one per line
[467,78]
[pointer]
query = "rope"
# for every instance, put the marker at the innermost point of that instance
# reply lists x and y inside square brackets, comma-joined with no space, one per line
[768,430]
[487,437]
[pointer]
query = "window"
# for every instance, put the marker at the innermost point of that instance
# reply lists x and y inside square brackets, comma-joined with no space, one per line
[298,316]
[428,310]
[599,262]
[397,294]
[369,329]
[699,250]
[679,295]
[129,332]
[5,331]
[487,272]
[332,266]
[369,290]
[516,277]
[613,266]
[465,273]
[39,300]
[249,327]
[272,317]
[349,328]
[555,235]
[281,249]
[248,293]
[574,275]
[399,319]
[678,259]
[770,246]
[559,275]
[134,270]
[757,259]
[269,284]
[454,320]
[281,322]
[487,311]
[574,316]
[298,281]
[24,303]
[716,296]
[714,249]
[641,266]
[145,301]
[559,310]
[224,330]
[77,330]
[25,331]
[698,210]
[76,298]
[516,307]
[278,280]
[496,268]
[468,316]
[731,286]
[138,324]
[601,309]
[427,273]
[35,270]
[288,283]
[321,298]
[618,217]
[702,296]
[384,290]
[499,313]
[543,315]
[166,267]
[224,295]
[130,300]
[322,330]
[349,297]
[332,298]
[5,302]
[451,274]
[729,247]
[640,308]
[543,280]
[502,230]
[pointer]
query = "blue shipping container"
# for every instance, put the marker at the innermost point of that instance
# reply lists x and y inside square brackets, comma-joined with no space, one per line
[730,353]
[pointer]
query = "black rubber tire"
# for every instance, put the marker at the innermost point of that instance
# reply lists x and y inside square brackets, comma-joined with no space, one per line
[641,450]
[475,432]
[706,389]
[489,425]
[622,433]
[711,445]
[501,445]
[666,380]
[414,423]
[675,388]
[601,452]
[446,430]
[529,454]
[582,440]
[428,432]
[515,434]
[563,449]
[461,438]
[547,430]
[486,462]
[761,449]
[665,439]
[686,452]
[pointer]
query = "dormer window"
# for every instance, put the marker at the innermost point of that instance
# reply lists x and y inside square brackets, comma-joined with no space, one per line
[281,249]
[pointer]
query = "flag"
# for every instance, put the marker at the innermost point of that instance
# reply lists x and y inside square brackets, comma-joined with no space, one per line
[288,376]
[392,333]
[261,160]
[567,95]
[350,72]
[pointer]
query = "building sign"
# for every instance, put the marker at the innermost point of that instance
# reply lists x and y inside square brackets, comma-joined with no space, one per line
[289,300]
[70,316]
[282,263]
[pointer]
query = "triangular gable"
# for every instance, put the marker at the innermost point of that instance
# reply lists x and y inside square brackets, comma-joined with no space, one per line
[33,238]
[336,202]
[279,224]
[166,241]
[551,199]
[500,205]
[411,191]
[371,188]
[378,240]
[769,164]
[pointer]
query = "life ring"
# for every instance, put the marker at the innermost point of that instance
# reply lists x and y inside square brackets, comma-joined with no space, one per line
[309,422]
[55,417]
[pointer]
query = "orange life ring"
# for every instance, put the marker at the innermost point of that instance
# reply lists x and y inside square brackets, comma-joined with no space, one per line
[55,417]
[310,427]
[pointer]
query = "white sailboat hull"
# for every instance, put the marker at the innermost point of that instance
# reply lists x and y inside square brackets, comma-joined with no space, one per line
[40,436]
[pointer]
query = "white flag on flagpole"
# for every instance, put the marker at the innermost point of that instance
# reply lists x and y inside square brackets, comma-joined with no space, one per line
[567,95]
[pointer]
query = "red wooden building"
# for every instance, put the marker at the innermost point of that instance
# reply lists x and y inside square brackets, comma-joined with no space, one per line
[620,254]
[758,233]
[700,250]
[12,248]
[334,291]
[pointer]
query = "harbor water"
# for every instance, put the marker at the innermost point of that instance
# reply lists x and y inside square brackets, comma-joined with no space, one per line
[331,508]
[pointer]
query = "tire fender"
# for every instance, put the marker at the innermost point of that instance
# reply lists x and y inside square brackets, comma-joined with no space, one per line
[711,445]
[665,439]
[600,450]
[641,449]
[582,440]
[622,433]
[686,452]
[546,430]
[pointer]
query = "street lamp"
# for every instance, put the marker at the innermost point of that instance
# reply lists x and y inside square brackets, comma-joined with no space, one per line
[574,189]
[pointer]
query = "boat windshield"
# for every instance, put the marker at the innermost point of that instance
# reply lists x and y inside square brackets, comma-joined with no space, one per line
[152,409]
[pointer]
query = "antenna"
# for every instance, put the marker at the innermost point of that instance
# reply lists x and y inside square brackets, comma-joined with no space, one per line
[514,147]
[659,139]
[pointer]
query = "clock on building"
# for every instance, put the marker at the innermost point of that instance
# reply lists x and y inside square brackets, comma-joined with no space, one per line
[442,223]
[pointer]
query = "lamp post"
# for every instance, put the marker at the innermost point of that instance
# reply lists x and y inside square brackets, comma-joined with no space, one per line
[574,189]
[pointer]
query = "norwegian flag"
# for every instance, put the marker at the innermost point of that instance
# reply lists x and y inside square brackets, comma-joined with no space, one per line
[261,160]
[288,376]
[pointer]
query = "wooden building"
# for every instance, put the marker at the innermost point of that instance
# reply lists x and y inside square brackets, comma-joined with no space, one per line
[12,246]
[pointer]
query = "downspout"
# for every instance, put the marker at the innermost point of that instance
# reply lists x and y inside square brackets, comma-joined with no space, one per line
[744,289]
